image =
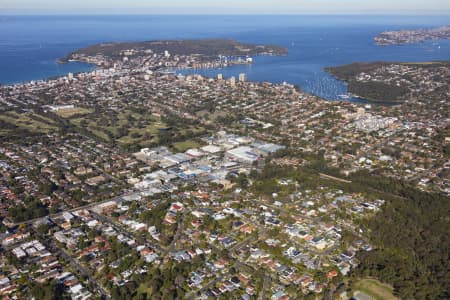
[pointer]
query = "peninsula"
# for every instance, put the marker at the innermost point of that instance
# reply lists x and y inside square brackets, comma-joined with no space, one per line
[396,82]
[412,36]
[202,50]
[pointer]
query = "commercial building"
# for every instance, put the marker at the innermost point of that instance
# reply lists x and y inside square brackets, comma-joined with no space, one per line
[243,154]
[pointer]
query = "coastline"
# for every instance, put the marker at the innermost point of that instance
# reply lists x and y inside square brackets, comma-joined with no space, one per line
[318,85]
[78,67]
[353,98]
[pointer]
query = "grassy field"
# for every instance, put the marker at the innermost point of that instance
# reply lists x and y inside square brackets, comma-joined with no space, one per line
[375,289]
[124,127]
[70,112]
[29,121]
[183,146]
[130,128]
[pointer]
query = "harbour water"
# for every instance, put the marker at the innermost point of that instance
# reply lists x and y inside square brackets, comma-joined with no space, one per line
[30,45]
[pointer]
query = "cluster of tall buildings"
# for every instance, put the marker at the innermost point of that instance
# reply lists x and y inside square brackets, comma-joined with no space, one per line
[232,80]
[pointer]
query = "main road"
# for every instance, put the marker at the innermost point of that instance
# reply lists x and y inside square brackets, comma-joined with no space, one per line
[59,214]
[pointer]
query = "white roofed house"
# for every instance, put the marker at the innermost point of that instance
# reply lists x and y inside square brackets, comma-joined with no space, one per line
[68,216]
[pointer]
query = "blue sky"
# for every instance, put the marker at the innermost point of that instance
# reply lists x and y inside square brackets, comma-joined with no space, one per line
[226,6]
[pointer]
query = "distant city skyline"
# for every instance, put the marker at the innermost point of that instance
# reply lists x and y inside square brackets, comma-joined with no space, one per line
[225,7]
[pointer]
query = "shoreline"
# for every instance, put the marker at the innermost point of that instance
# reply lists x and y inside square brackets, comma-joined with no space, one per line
[352,98]
[101,63]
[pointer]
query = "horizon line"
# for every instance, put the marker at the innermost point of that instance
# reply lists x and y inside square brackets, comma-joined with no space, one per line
[356,13]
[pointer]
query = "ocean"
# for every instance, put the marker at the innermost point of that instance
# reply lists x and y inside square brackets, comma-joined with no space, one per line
[30,45]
